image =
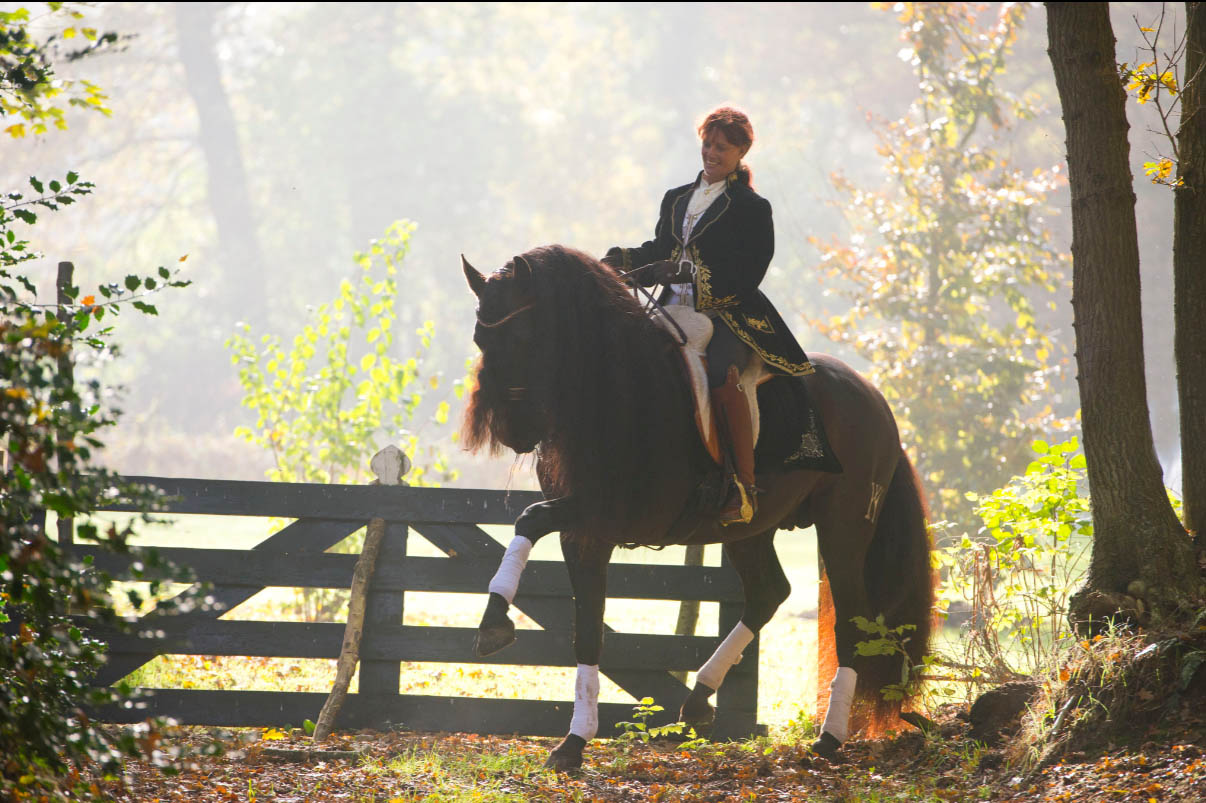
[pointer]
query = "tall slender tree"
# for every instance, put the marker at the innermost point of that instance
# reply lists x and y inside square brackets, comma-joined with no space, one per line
[229,196]
[1189,272]
[1139,547]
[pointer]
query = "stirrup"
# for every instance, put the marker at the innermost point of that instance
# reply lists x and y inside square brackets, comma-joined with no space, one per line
[745,509]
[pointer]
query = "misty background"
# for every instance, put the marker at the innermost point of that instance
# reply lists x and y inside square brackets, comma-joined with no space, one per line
[270,142]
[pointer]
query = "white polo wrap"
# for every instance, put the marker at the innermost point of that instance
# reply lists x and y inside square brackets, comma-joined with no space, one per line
[727,654]
[841,695]
[506,579]
[585,722]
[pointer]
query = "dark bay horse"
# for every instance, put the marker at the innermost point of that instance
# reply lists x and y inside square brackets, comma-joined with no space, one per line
[573,368]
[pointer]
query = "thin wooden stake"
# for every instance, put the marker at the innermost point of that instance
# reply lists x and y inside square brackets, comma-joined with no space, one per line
[389,465]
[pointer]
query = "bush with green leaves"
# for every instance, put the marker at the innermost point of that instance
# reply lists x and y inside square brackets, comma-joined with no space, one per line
[1017,576]
[327,403]
[50,430]
[337,395]
[50,426]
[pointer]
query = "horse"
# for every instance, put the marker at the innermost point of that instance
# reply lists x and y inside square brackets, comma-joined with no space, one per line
[572,368]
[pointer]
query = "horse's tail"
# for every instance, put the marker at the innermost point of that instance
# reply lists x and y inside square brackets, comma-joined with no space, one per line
[898,572]
[900,584]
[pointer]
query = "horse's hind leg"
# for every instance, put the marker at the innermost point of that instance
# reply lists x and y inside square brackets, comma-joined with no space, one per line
[844,532]
[766,587]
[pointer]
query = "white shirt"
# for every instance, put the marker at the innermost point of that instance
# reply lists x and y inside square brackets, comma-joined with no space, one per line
[703,197]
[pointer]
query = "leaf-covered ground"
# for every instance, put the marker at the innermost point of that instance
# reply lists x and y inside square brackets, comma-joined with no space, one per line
[1158,765]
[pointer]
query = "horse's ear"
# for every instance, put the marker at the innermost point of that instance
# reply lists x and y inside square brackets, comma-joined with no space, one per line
[477,282]
[523,270]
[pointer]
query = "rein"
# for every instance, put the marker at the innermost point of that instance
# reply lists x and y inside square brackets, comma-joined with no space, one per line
[653,302]
[505,318]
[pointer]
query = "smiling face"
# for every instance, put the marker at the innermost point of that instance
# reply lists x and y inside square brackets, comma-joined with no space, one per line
[720,157]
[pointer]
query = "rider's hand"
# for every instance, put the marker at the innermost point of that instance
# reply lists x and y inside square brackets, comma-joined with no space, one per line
[664,271]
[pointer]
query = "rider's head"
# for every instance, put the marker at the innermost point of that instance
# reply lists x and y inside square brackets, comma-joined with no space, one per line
[726,136]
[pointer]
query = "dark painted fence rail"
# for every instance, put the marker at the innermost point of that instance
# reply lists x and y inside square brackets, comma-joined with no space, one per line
[449,519]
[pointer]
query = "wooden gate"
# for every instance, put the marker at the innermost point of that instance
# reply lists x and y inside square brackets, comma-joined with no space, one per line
[449,519]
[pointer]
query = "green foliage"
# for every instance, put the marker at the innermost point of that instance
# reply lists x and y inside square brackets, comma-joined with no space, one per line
[336,396]
[1032,553]
[50,427]
[946,263]
[30,93]
[889,641]
[639,729]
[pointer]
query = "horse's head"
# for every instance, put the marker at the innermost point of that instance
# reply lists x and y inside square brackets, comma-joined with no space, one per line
[505,409]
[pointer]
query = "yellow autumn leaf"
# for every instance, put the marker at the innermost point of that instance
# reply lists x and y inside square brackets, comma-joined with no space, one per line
[69,33]
[16,130]
[182,258]
[273,735]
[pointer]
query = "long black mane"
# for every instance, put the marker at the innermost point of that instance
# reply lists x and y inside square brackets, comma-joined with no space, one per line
[609,383]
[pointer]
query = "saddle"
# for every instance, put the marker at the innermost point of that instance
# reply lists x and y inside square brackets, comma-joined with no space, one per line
[698,329]
[796,436]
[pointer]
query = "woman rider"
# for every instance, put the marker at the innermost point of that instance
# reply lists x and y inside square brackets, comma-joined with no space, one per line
[711,247]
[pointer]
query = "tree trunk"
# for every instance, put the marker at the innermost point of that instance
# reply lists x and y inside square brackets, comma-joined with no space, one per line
[1139,546]
[242,262]
[1189,273]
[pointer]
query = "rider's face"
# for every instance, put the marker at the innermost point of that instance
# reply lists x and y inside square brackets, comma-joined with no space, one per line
[720,157]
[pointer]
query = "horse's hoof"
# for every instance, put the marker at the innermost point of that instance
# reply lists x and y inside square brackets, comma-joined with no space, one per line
[494,638]
[698,712]
[567,755]
[827,747]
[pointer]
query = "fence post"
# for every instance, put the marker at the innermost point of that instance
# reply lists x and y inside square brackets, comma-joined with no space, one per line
[383,609]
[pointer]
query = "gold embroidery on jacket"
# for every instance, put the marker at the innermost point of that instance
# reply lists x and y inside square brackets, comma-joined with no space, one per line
[704,299]
[761,324]
[773,360]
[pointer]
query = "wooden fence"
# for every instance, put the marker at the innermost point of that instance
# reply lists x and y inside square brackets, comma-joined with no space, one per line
[449,519]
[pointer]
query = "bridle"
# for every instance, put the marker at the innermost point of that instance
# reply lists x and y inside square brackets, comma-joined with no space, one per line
[515,393]
[505,318]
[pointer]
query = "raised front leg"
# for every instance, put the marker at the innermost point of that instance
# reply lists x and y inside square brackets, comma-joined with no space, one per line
[587,564]
[496,630]
[765,587]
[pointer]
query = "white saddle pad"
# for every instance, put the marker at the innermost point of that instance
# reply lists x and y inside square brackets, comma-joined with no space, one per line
[698,329]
